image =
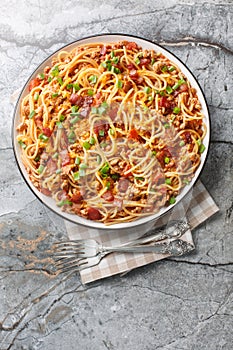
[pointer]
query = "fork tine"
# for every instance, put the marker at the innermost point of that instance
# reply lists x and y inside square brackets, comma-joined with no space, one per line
[70,265]
[65,254]
[78,264]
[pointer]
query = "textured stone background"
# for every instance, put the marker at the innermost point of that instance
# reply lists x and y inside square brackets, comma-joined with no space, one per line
[183,304]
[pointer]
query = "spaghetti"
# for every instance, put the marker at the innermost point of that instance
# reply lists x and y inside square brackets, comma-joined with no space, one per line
[111,131]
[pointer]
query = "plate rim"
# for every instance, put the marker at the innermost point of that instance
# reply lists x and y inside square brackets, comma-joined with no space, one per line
[94,224]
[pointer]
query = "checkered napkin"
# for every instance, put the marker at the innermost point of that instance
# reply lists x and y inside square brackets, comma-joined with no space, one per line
[200,207]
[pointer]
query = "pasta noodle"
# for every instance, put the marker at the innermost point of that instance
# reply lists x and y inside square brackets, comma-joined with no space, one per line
[111,131]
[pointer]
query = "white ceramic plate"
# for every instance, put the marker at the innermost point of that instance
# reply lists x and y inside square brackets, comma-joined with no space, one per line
[145,44]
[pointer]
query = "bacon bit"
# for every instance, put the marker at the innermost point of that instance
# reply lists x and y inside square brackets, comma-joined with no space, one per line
[118,202]
[110,182]
[21,127]
[88,100]
[158,179]
[77,198]
[144,61]
[101,125]
[108,196]
[47,132]
[183,87]
[39,122]
[33,83]
[51,165]
[162,155]
[93,214]
[163,189]
[76,99]
[65,171]
[76,208]
[64,139]
[98,99]
[127,167]
[123,184]
[163,102]
[194,124]
[130,66]
[133,134]
[103,50]
[65,158]
[187,136]
[133,74]
[45,191]
[127,86]
[85,111]
[131,46]
[113,112]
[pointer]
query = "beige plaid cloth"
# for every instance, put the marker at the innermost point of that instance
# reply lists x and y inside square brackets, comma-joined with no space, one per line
[199,207]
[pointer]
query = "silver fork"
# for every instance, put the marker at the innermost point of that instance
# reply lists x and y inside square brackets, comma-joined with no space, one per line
[173,247]
[90,247]
[72,253]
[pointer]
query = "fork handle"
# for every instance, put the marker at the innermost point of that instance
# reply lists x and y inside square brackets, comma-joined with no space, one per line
[173,230]
[174,247]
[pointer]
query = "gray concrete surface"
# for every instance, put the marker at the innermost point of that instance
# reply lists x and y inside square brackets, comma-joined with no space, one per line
[183,304]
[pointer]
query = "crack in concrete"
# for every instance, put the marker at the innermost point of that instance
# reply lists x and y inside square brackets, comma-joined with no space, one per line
[25,309]
[196,41]
[160,292]
[42,269]
[201,263]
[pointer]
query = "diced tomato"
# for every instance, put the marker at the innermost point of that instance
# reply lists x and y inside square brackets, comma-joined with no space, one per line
[133,134]
[33,83]
[51,165]
[47,132]
[77,198]
[131,45]
[93,214]
[123,184]
[108,196]
[163,102]
[65,158]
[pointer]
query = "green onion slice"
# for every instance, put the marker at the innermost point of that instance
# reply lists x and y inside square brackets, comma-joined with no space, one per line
[22,144]
[40,169]
[176,110]
[31,115]
[172,200]
[90,92]
[201,148]
[64,202]
[169,89]
[93,79]
[86,145]
[55,71]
